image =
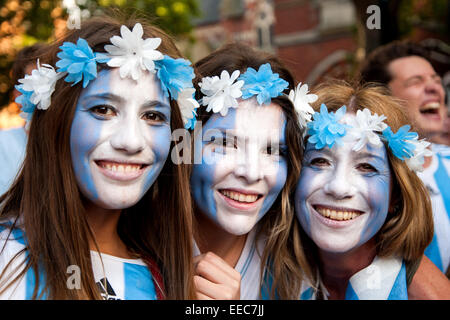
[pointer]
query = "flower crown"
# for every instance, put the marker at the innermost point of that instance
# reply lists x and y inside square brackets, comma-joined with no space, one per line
[130,52]
[221,93]
[366,128]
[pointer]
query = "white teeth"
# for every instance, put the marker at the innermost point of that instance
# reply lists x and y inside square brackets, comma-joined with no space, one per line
[337,215]
[121,168]
[241,197]
[430,106]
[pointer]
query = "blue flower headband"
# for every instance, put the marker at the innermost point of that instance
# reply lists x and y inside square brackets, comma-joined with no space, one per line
[130,52]
[221,93]
[326,129]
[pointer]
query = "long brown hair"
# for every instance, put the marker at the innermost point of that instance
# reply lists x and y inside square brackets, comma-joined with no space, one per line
[408,228]
[277,221]
[47,199]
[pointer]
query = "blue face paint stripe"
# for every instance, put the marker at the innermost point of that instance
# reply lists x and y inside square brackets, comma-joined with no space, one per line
[203,175]
[85,126]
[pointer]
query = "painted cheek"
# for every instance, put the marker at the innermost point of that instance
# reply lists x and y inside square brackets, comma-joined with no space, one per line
[302,192]
[280,180]
[378,193]
[85,135]
[206,175]
[159,140]
[160,145]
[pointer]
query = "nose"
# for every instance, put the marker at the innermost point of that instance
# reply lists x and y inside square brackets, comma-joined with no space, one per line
[249,165]
[340,185]
[128,138]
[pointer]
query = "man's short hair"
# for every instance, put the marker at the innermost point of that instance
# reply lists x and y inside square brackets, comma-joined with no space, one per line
[375,68]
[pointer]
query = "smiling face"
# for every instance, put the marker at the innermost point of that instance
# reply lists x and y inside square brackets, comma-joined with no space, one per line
[414,80]
[120,138]
[243,169]
[342,196]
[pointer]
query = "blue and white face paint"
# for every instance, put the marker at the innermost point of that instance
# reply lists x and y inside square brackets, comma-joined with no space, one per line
[120,138]
[342,197]
[243,165]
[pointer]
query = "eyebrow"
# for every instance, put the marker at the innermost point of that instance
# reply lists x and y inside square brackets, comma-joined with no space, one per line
[369,155]
[119,99]
[229,133]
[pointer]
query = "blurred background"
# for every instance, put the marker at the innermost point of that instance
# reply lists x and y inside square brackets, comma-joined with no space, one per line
[315,38]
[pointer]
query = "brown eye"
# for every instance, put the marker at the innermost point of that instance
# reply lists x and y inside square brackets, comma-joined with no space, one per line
[320,162]
[153,117]
[365,167]
[103,111]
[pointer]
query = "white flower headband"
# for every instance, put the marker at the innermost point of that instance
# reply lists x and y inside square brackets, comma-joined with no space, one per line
[221,93]
[130,52]
[366,128]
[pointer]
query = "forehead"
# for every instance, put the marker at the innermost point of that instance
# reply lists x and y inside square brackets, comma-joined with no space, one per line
[407,67]
[251,120]
[109,81]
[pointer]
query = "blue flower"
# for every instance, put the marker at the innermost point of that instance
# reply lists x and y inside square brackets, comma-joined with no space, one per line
[325,129]
[79,61]
[25,99]
[398,142]
[263,83]
[174,74]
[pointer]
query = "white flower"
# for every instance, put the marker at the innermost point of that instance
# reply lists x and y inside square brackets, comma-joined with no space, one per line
[365,126]
[301,101]
[132,53]
[42,83]
[221,93]
[415,163]
[187,104]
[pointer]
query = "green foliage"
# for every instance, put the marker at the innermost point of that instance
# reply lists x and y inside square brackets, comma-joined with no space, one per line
[24,22]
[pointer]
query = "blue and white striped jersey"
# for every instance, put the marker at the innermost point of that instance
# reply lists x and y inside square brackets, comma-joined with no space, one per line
[383,279]
[437,180]
[116,278]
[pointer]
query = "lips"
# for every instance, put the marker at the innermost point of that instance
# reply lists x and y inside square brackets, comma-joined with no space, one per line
[122,171]
[337,214]
[241,199]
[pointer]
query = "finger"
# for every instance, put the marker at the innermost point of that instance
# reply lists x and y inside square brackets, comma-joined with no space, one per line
[210,271]
[213,290]
[220,264]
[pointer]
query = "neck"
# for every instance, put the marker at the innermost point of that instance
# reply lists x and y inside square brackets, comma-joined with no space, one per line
[103,223]
[211,237]
[337,268]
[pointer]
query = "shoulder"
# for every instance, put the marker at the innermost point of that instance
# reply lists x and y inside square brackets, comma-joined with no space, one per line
[13,136]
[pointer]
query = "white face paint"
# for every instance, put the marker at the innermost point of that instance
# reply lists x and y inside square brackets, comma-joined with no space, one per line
[342,197]
[120,138]
[242,171]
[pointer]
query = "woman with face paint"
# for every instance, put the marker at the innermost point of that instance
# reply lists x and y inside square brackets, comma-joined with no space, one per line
[365,216]
[247,166]
[97,211]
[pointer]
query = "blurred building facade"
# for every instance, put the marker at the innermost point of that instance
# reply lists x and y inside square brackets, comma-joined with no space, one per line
[317,39]
[313,38]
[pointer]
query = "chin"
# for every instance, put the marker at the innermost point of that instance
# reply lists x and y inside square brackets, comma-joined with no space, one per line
[334,245]
[237,225]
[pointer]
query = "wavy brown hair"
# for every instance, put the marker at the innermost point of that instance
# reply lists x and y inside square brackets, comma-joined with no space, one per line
[408,228]
[46,197]
[277,221]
